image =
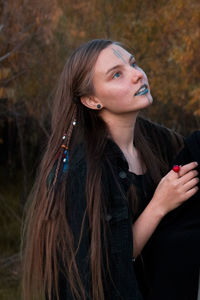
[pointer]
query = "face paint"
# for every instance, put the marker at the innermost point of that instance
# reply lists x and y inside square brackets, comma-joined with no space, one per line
[116,90]
[119,55]
[149,99]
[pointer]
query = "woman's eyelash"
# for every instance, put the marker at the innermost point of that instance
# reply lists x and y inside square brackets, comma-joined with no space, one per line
[116,74]
[133,63]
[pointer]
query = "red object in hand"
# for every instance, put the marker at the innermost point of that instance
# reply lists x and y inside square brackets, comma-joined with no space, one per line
[176,168]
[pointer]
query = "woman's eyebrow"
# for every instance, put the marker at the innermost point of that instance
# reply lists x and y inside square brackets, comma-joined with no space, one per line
[113,68]
[118,66]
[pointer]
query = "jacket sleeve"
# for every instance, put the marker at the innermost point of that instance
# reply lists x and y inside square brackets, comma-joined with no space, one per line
[75,212]
[189,153]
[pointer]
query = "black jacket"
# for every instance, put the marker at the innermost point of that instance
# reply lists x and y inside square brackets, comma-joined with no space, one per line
[171,258]
[118,217]
[120,242]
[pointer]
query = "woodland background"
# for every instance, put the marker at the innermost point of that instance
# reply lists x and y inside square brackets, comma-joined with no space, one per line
[36,38]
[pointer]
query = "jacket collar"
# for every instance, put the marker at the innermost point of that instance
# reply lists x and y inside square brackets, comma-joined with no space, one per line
[115,155]
[112,152]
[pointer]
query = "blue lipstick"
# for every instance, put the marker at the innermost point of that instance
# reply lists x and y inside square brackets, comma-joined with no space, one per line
[142,91]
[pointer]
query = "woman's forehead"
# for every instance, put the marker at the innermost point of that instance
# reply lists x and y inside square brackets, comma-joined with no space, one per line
[110,56]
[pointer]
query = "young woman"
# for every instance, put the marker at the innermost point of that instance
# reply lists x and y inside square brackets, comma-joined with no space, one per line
[95,203]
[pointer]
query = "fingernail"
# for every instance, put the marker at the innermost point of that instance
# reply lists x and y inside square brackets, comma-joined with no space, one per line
[196,163]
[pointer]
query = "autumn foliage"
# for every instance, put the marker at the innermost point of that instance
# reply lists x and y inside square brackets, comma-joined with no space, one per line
[36,38]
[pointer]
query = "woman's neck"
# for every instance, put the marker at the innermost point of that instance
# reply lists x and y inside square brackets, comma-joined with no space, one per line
[121,129]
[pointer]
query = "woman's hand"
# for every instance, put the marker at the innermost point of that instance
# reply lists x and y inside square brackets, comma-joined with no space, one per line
[172,191]
[175,188]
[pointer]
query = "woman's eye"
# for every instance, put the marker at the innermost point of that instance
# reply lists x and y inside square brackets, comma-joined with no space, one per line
[116,75]
[133,64]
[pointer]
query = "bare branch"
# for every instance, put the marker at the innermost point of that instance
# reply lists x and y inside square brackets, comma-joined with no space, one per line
[5,82]
[14,49]
[6,55]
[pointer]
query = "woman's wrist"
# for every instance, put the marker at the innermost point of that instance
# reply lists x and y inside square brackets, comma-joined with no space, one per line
[157,210]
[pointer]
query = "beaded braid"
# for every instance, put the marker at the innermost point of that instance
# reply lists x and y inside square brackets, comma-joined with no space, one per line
[67,137]
[64,153]
[60,166]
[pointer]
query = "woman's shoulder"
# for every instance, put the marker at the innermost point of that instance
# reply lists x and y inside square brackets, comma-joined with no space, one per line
[191,150]
[163,141]
[194,137]
[158,128]
[160,133]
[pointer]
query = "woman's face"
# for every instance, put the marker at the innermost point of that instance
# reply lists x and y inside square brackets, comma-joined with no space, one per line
[120,85]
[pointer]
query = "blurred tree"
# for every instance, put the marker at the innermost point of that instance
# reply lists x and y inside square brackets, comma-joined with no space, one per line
[36,38]
[163,35]
[25,27]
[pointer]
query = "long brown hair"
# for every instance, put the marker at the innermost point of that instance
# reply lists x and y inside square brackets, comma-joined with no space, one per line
[46,231]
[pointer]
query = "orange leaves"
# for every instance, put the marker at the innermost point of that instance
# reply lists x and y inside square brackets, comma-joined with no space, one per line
[163,35]
[194,101]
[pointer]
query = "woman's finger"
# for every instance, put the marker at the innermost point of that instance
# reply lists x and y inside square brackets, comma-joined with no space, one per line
[191,192]
[188,176]
[191,184]
[188,167]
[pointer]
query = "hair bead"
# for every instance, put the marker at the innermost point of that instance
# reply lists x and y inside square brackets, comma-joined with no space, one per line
[64,147]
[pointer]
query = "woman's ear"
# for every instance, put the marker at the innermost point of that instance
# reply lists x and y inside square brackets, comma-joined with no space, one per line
[91,102]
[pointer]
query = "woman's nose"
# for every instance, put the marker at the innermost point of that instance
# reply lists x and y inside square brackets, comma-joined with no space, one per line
[137,74]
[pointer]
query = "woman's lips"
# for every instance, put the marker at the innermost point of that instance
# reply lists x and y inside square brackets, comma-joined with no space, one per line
[142,90]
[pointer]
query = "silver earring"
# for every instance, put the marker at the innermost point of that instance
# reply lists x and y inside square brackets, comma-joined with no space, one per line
[98,106]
